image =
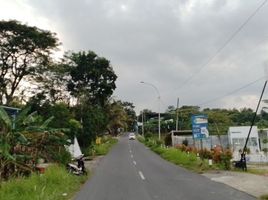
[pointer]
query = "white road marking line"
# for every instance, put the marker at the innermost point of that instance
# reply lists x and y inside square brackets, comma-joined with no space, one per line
[131,156]
[141,175]
[130,151]
[134,162]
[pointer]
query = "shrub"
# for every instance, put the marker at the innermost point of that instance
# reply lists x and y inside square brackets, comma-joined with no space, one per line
[158,142]
[181,147]
[62,156]
[103,149]
[168,140]
[148,136]
[265,140]
[226,159]
[205,154]
[185,142]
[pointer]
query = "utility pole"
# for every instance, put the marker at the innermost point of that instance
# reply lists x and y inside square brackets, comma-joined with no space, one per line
[177,114]
[142,119]
[159,99]
[243,155]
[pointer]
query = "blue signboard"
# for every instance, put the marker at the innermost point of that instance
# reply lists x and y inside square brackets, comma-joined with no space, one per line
[200,126]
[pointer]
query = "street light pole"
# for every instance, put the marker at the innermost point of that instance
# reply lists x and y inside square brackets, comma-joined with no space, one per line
[142,119]
[177,114]
[159,124]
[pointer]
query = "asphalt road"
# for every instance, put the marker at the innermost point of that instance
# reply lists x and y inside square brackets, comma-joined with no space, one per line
[132,172]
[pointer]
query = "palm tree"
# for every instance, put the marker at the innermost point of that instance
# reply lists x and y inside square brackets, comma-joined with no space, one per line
[117,118]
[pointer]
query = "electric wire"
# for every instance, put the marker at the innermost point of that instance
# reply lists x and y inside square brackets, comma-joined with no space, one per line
[229,39]
[232,92]
[225,95]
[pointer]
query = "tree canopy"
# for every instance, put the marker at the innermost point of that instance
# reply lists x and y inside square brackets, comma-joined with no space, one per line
[92,77]
[24,52]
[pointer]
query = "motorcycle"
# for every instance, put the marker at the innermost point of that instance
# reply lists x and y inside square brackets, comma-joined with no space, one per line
[78,169]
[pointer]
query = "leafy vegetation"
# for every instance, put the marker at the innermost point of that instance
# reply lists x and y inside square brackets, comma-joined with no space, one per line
[219,119]
[187,156]
[264,197]
[73,99]
[55,184]
[25,53]
[105,145]
[26,140]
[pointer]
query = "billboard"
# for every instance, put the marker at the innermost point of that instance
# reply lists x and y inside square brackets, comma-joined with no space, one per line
[200,126]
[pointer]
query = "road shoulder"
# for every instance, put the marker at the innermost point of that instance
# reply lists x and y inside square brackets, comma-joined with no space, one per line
[255,185]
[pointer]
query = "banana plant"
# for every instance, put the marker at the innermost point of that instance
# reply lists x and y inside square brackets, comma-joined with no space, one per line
[22,145]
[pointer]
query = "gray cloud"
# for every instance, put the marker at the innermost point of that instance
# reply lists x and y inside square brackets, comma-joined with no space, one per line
[164,42]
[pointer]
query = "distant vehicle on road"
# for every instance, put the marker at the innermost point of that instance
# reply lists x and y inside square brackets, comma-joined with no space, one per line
[131,136]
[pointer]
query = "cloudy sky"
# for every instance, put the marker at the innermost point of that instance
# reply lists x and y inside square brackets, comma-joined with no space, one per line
[176,45]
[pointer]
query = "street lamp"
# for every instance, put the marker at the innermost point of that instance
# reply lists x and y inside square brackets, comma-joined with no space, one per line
[159,125]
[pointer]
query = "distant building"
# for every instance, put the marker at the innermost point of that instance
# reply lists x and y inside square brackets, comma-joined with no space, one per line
[263,139]
[237,138]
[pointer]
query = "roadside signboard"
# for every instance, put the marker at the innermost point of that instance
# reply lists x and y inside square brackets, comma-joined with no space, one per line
[200,126]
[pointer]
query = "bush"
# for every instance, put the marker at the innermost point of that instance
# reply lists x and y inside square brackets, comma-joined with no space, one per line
[158,142]
[185,142]
[265,140]
[62,156]
[205,154]
[148,136]
[103,148]
[181,147]
[168,140]
[226,159]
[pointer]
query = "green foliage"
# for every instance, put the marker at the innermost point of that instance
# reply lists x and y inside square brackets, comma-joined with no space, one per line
[131,114]
[148,135]
[61,156]
[105,146]
[264,197]
[168,140]
[187,160]
[94,120]
[75,127]
[31,139]
[5,121]
[24,50]
[92,77]
[50,186]
[118,117]
[265,150]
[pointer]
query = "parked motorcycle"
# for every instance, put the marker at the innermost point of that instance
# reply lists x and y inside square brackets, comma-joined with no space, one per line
[78,169]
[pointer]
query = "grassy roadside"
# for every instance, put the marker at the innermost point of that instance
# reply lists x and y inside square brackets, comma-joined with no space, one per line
[105,146]
[264,197]
[187,160]
[55,184]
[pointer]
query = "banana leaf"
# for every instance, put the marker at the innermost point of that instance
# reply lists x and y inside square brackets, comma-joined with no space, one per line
[5,119]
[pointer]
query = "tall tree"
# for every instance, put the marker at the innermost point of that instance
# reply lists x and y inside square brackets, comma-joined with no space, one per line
[131,114]
[92,77]
[24,51]
[118,117]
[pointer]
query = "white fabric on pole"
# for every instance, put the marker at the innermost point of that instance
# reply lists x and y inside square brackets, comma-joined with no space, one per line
[74,149]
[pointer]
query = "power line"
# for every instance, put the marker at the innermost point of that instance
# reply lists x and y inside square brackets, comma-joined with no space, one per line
[232,92]
[229,39]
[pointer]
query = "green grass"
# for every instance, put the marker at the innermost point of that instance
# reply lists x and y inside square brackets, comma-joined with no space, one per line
[55,184]
[258,171]
[187,160]
[183,159]
[103,149]
[264,197]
